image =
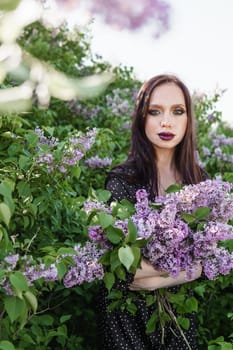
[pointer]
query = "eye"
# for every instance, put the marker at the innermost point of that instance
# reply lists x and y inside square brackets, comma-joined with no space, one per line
[178,111]
[154,111]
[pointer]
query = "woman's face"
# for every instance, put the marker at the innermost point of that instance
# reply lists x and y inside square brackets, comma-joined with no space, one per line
[166,120]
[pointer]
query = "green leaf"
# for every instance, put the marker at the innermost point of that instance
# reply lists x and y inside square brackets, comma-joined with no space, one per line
[24,189]
[5,213]
[32,139]
[202,213]
[151,323]
[14,307]
[31,299]
[114,260]
[18,281]
[114,234]
[132,232]
[62,269]
[24,162]
[105,220]
[65,250]
[176,298]
[6,345]
[141,242]
[45,320]
[6,189]
[173,188]
[109,280]
[191,304]
[103,195]
[137,256]
[126,256]
[132,308]
[105,258]
[65,318]
[226,346]
[189,218]
[76,172]
[184,322]
[200,290]
[120,273]
[129,206]
[150,299]
[8,5]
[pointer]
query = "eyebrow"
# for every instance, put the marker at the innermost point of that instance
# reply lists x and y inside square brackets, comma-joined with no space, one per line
[160,106]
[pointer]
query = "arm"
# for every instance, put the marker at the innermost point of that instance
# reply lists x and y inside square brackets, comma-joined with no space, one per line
[144,281]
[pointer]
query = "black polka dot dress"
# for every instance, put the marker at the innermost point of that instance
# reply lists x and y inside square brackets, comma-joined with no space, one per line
[120,330]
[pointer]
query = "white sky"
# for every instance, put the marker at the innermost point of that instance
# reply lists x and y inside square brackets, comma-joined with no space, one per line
[198,48]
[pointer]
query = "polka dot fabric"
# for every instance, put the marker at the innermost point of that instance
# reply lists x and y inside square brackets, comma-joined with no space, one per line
[120,330]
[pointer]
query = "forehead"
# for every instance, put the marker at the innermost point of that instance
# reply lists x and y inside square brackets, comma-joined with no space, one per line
[167,94]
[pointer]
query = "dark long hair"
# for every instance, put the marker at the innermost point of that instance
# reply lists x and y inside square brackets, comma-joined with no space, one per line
[142,156]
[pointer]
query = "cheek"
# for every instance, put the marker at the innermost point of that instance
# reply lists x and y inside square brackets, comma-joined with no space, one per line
[151,125]
[183,126]
[149,128]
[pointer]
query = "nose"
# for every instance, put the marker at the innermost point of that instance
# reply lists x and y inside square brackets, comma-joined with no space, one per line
[166,120]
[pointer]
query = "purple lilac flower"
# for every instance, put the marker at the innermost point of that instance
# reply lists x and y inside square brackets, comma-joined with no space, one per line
[72,157]
[12,260]
[125,14]
[205,194]
[46,158]
[206,151]
[35,272]
[86,141]
[142,205]
[97,162]
[220,263]
[86,267]
[122,225]
[90,205]
[212,117]
[97,234]
[43,140]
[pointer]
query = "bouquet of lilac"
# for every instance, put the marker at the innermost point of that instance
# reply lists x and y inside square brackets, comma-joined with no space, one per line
[186,228]
[175,232]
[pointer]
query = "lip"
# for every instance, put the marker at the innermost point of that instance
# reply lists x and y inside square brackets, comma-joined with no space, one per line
[166,136]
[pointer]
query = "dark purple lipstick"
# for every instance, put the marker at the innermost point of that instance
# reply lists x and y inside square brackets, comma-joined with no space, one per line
[166,136]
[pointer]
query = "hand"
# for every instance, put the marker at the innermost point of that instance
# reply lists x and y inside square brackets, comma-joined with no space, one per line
[161,281]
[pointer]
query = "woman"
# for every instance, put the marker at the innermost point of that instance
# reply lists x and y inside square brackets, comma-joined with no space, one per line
[162,153]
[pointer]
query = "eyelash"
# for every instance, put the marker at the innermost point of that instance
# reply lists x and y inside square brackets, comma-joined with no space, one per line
[177,111]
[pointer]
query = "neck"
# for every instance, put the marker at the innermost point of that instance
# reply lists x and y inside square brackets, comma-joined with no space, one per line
[167,172]
[164,160]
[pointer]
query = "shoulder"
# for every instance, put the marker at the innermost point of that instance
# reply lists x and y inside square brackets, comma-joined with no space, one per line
[121,182]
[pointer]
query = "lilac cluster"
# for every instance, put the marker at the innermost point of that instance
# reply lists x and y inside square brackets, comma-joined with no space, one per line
[90,205]
[29,268]
[217,150]
[118,102]
[174,246]
[87,112]
[86,141]
[86,267]
[35,272]
[131,15]
[97,162]
[43,140]
[214,194]
[72,151]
